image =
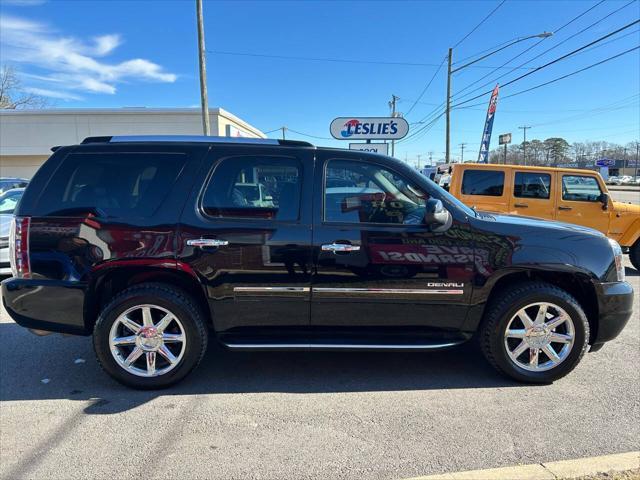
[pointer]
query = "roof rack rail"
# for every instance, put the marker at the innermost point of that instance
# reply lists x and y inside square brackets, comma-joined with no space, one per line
[195,138]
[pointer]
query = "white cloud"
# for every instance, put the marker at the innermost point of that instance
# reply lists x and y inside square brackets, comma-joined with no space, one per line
[22,3]
[105,44]
[45,92]
[74,63]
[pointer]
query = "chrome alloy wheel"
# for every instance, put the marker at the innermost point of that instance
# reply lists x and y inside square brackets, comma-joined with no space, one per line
[539,337]
[147,340]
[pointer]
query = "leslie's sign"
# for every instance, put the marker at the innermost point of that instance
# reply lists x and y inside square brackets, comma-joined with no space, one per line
[369,128]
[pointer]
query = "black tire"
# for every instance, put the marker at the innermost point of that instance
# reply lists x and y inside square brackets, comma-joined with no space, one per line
[181,305]
[634,255]
[503,308]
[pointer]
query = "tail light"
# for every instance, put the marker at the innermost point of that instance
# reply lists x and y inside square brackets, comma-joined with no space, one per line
[19,247]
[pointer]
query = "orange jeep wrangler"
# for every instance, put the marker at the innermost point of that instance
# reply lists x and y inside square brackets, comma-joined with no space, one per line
[563,194]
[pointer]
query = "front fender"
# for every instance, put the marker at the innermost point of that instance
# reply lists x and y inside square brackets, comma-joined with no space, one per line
[631,234]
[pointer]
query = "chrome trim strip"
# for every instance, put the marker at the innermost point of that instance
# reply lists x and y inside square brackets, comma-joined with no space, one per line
[398,291]
[191,138]
[331,346]
[207,242]
[271,289]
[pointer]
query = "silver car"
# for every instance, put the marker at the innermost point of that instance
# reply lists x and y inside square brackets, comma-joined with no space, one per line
[8,202]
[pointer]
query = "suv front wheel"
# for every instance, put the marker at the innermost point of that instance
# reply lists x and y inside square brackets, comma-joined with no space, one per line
[150,336]
[534,333]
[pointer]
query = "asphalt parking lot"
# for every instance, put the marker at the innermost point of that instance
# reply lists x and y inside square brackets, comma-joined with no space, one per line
[307,415]
[629,195]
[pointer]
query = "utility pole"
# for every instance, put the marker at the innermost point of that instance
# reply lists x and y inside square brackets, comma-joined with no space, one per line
[204,100]
[462,145]
[637,155]
[392,105]
[448,115]
[419,156]
[479,59]
[524,143]
[431,159]
[283,128]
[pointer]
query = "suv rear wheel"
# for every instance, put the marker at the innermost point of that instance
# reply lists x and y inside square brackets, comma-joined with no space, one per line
[150,336]
[534,333]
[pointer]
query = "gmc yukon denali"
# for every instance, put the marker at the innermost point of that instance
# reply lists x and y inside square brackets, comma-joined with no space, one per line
[152,245]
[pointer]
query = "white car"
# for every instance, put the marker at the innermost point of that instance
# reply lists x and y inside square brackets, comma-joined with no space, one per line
[445,181]
[8,202]
[626,180]
[613,180]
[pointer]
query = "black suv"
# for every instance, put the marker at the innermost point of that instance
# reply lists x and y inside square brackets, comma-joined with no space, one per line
[154,244]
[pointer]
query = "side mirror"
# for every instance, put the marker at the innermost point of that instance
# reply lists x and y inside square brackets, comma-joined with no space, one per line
[436,216]
[604,199]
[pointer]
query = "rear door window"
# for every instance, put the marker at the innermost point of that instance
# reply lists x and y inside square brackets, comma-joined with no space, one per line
[254,187]
[114,184]
[483,182]
[532,185]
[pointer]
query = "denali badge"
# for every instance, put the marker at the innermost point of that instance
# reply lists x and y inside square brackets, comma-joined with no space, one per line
[445,284]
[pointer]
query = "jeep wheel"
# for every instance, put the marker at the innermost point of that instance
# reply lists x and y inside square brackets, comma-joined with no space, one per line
[634,255]
[150,336]
[535,333]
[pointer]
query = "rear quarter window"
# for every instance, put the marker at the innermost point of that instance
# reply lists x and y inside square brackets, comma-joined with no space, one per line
[117,184]
[483,182]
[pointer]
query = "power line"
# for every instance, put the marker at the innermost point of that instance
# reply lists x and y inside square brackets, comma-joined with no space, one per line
[307,134]
[428,126]
[553,61]
[549,111]
[426,87]
[478,54]
[327,59]
[495,80]
[481,22]
[626,102]
[612,40]
[555,32]
[573,73]
[420,132]
[287,129]
[613,57]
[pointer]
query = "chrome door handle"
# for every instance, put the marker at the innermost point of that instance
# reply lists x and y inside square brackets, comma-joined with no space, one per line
[207,242]
[521,205]
[340,247]
[564,208]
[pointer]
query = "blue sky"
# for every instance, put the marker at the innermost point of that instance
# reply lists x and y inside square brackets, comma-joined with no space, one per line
[143,53]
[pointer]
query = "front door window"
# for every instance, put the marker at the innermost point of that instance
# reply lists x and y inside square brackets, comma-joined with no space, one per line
[357,192]
[581,202]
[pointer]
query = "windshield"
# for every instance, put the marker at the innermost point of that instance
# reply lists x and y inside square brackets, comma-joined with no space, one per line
[447,197]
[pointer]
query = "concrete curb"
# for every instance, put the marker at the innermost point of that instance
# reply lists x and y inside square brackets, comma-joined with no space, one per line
[579,467]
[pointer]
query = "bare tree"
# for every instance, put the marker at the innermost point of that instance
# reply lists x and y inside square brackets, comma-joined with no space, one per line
[13,96]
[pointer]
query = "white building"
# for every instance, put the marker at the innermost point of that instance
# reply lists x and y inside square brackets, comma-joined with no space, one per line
[26,136]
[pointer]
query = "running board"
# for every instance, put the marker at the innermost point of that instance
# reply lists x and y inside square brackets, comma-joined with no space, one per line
[341,346]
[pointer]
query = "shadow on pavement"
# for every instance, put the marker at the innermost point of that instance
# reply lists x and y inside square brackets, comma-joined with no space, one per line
[27,360]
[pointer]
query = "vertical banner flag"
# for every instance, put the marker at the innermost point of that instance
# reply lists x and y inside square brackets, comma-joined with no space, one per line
[483,156]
